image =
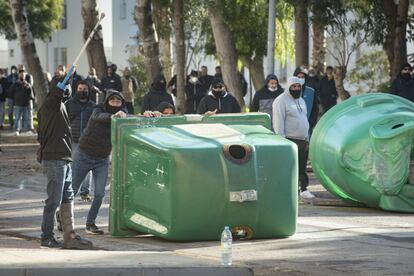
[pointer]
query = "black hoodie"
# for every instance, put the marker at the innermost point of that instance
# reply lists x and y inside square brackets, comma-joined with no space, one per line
[226,103]
[96,139]
[263,98]
[54,133]
[403,86]
[156,95]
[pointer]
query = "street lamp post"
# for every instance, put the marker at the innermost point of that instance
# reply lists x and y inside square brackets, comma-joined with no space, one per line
[271,37]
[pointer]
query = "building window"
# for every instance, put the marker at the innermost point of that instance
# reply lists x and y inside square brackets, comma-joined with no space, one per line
[123,10]
[11,53]
[64,19]
[60,56]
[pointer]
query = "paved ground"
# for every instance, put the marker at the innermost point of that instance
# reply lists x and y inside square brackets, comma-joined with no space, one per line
[330,239]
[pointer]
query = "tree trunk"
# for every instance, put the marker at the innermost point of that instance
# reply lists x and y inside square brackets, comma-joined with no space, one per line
[339,76]
[301,33]
[95,49]
[226,51]
[28,48]
[318,50]
[390,11]
[162,24]
[178,7]
[256,70]
[400,42]
[143,17]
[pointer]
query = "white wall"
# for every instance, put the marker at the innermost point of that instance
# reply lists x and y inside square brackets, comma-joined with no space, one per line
[69,38]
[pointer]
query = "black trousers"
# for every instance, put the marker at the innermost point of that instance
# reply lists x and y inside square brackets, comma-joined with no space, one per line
[303,148]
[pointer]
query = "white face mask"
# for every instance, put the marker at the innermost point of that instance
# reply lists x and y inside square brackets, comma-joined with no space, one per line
[272,88]
[193,79]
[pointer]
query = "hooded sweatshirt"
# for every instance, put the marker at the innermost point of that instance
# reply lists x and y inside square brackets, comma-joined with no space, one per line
[289,117]
[226,103]
[263,99]
[54,133]
[96,139]
[79,114]
[403,85]
[156,95]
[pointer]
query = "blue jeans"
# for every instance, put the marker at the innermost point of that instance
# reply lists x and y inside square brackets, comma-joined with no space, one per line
[82,165]
[2,112]
[86,183]
[21,118]
[59,190]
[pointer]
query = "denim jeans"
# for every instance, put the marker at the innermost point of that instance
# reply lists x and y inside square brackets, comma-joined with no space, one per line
[21,118]
[10,110]
[82,165]
[86,183]
[2,112]
[59,190]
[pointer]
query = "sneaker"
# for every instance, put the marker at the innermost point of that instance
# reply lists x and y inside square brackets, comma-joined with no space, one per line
[51,243]
[91,228]
[86,197]
[16,133]
[306,195]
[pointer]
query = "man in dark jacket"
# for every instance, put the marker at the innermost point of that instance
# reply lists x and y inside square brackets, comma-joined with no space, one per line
[93,153]
[403,85]
[327,90]
[310,97]
[55,155]
[22,93]
[263,98]
[218,100]
[95,86]
[194,92]
[80,109]
[11,79]
[157,94]
[111,81]
[3,94]
[205,78]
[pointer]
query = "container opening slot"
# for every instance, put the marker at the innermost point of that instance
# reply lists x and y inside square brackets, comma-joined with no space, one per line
[397,126]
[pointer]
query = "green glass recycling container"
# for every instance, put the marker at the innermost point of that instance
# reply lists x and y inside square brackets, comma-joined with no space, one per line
[184,178]
[362,150]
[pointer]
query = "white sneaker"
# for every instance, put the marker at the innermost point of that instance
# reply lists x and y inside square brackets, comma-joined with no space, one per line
[16,133]
[306,195]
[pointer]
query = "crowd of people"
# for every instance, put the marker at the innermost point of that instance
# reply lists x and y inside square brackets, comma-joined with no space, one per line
[74,125]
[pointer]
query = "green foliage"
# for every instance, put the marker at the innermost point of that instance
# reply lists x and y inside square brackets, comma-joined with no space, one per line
[371,73]
[285,47]
[137,66]
[43,15]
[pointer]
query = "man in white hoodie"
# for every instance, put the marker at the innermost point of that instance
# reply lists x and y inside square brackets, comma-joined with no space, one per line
[290,121]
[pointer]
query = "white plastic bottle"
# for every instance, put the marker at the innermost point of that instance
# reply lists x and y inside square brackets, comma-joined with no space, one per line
[226,247]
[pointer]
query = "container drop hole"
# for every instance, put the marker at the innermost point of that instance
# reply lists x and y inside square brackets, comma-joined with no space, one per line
[397,126]
[237,151]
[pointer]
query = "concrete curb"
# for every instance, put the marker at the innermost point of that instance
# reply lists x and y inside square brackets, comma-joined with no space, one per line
[129,271]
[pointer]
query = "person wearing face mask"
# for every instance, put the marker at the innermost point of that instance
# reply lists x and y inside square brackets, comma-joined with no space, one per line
[93,152]
[312,79]
[403,85]
[79,110]
[310,97]
[157,94]
[263,98]
[111,81]
[290,121]
[22,93]
[194,92]
[218,100]
[327,90]
[3,96]
[11,79]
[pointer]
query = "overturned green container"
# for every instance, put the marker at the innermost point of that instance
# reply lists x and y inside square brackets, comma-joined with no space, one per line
[362,150]
[185,177]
